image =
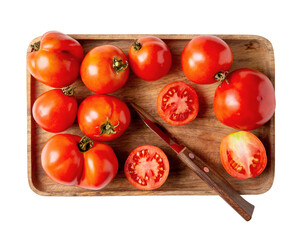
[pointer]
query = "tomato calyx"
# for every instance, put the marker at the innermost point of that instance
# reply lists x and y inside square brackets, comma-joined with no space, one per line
[221,76]
[118,65]
[107,128]
[35,47]
[136,45]
[85,144]
[69,91]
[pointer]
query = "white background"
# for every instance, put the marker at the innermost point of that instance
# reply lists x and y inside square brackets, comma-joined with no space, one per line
[25,215]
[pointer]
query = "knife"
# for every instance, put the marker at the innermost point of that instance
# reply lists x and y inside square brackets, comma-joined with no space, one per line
[201,168]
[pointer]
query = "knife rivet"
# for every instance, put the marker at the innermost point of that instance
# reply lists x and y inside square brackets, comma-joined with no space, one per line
[192,156]
[206,169]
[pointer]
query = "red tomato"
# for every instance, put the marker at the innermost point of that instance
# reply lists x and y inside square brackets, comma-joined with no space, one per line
[55,110]
[243,155]
[177,103]
[56,60]
[104,69]
[150,58]
[103,117]
[205,59]
[147,167]
[69,160]
[246,100]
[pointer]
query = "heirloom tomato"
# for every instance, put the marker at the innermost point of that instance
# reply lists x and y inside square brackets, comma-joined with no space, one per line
[245,100]
[104,69]
[243,155]
[55,60]
[69,160]
[103,117]
[147,167]
[150,58]
[205,59]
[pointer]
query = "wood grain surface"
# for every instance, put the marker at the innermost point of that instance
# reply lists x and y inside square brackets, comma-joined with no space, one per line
[203,135]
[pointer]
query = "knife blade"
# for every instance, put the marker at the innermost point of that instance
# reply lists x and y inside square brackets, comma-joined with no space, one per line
[200,167]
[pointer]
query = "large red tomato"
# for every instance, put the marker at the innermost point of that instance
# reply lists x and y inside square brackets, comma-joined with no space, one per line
[103,117]
[104,69]
[243,155]
[69,160]
[177,103]
[147,167]
[55,110]
[246,100]
[206,59]
[55,60]
[150,58]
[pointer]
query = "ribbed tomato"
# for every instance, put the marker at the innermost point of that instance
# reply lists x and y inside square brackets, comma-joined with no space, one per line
[55,60]
[70,160]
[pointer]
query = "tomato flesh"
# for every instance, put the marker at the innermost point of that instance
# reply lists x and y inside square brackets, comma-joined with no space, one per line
[178,103]
[243,155]
[147,167]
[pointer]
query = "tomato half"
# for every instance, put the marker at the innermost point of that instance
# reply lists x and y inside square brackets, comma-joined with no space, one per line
[205,58]
[177,103]
[55,110]
[55,60]
[70,160]
[150,58]
[104,69]
[246,100]
[147,167]
[103,117]
[243,155]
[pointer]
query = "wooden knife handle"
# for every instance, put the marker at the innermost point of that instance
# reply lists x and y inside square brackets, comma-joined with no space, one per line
[218,183]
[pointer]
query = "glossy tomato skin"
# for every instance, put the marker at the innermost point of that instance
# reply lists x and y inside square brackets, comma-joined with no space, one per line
[205,56]
[152,61]
[177,103]
[100,167]
[243,155]
[147,167]
[57,61]
[61,159]
[247,101]
[103,110]
[54,111]
[66,162]
[98,72]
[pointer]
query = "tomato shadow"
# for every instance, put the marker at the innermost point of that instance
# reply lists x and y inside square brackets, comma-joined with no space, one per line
[202,104]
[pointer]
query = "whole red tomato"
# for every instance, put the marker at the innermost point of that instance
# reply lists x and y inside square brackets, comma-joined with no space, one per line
[177,103]
[243,155]
[69,160]
[246,100]
[147,167]
[104,69]
[205,59]
[55,110]
[150,58]
[103,117]
[55,60]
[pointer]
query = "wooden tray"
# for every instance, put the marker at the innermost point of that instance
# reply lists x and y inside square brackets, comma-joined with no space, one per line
[203,135]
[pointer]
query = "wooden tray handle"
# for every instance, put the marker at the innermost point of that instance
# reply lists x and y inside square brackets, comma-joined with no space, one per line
[218,183]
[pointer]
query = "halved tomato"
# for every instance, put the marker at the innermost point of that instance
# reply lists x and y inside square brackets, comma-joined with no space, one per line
[147,167]
[243,155]
[177,103]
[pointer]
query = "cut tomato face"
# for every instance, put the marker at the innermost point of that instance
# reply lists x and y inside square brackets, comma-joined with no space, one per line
[243,155]
[177,103]
[147,167]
